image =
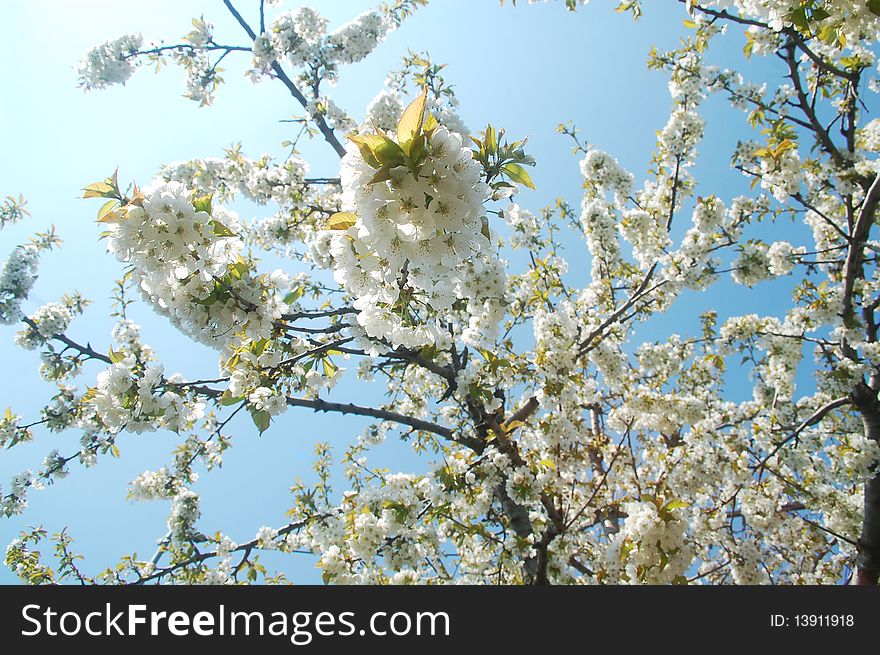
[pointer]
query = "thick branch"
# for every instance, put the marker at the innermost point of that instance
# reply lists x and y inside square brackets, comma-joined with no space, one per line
[822,135]
[383,414]
[826,66]
[529,408]
[860,233]
[868,560]
[318,313]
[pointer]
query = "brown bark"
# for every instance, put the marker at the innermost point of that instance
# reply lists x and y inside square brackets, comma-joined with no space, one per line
[868,560]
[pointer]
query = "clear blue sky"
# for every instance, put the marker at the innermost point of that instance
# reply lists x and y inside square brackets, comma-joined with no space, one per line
[525,68]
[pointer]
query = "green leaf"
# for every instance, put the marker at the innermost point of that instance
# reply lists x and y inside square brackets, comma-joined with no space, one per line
[513,425]
[874,7]
[116,356]
[98,190]
[107,214]
[261,419]
[237,271]
[228,399]
[799,18]
[106,207]
[341,221]
[389,153]
[221,230]
[365,144]
[378,150]
[381,175]
[418,150]
[489,138]
[292,296]
[257,347]
[203,203]
[518,174]
[431,123]
[412,120]
[828,33]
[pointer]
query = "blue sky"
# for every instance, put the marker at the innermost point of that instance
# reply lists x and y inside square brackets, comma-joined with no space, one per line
[525,68]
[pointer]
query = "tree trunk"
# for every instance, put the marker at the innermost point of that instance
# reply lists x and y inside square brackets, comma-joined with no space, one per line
[868,560]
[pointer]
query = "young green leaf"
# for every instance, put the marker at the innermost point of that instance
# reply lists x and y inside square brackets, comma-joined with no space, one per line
[116,356]
[389,153]
[410,123]
[490,140]
[294,295]
[518,174]
[381,175]
[203,203]
[431,123]
[221,230]
[98,190]
[261,419]
[228,399]
[108,212]
[341,221]
[366,144]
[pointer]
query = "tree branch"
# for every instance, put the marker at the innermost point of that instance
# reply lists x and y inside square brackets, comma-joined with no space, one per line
[246,547]
[861,231]
[382,414]
[325,129]
[868,560]
[822,135]
[814,418]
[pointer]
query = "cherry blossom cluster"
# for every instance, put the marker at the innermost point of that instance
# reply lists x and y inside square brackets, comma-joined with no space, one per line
[112,62]
[134,397]
[50,319]
[855,19]
[300,37]
[303,204]
[16,280]
[418,245]
[260,180]
[653,538]
[387,106]
[188,266]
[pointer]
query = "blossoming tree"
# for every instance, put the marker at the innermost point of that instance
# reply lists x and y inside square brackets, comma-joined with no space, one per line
[563,447]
